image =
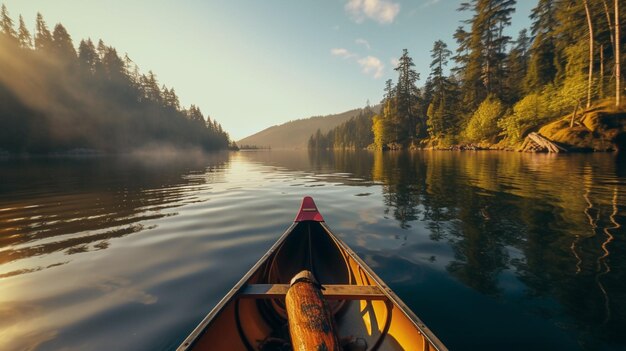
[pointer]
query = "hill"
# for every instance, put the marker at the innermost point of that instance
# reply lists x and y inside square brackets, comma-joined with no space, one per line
[295,134]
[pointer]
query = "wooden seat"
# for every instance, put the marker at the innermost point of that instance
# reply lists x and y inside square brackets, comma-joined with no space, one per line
[330,292]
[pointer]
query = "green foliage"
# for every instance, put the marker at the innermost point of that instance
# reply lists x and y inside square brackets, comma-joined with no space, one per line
[381,131]
[528,112]
[483,125]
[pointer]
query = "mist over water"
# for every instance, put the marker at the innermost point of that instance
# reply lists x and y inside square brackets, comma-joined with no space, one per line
[492,250]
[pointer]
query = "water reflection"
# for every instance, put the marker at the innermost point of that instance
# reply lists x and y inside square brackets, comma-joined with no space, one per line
[550,223]
[79,205]
[525,251]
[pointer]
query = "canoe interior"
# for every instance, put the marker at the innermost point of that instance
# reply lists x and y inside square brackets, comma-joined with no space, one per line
[252,324]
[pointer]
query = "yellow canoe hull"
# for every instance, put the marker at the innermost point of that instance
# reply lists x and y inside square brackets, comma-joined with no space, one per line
[253,312]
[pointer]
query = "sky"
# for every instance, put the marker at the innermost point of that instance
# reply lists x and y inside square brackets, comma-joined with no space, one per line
[253,64]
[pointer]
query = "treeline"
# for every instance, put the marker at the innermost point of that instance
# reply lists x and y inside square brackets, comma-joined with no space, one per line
[499,89]
[56,98]
[355,133]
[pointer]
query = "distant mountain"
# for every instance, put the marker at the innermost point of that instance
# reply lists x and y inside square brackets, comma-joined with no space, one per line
[295,134]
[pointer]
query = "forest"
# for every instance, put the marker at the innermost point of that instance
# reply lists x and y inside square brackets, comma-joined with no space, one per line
[56,98]
[498,89]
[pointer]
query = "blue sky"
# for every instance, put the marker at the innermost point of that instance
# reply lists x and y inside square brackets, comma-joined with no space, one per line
[253,64]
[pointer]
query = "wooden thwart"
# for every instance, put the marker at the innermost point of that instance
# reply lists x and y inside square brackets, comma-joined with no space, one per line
[330,292]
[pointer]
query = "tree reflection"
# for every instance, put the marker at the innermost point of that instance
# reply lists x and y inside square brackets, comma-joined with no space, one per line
[551,222]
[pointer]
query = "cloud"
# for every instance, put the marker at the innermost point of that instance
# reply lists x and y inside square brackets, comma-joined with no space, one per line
[363,42]
[381,11]
[430,3]
[394,62]
[343,53]
[372,65]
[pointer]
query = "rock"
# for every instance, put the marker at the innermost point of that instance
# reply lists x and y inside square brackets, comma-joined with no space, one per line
[601,128]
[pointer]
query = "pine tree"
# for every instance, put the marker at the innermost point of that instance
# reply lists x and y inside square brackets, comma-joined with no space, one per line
[542,69]
[6,23]
[408,97]
[62,44]
[486,44]
[23,35]
[101,49]
[516,67]
[440,111]
[43,37]
[87,56]
[462,51]
[113,65]
[569,29]
[150,87]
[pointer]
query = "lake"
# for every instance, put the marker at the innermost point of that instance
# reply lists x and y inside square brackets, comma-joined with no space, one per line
[492,250]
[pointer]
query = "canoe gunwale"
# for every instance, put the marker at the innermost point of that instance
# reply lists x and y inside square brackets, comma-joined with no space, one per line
[391,298]
[430,336]
[195,335]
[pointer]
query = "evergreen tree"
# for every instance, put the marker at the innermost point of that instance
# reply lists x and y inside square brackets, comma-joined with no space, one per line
[542,66]
[441,110]
[96,103]
[23,35]
[486,45]
[101,49]
[461,58]
[87,56]
[113,66]
[6,23]
[62,44]
[569,31]
[408,97]
[43,37]
[150,87]
[516,67]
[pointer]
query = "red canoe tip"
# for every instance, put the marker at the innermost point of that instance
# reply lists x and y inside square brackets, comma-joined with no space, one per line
[308,211]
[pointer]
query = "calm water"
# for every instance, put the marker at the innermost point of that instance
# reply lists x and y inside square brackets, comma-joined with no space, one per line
[492,250]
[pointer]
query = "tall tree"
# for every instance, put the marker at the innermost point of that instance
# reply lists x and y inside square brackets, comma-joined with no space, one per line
[484,73]
[591,40]
[113,65]
[461,58]
[23,35]
[6,23]
[87,55]
[569,22]
[43,37]
[541,67]
[516,68]
[408,96]
[62,44]
[440,110]
[618,91]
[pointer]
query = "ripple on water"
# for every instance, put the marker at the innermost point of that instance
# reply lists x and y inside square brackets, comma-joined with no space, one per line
[126,255]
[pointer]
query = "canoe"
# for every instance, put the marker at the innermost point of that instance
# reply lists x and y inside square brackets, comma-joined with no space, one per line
[367,315]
